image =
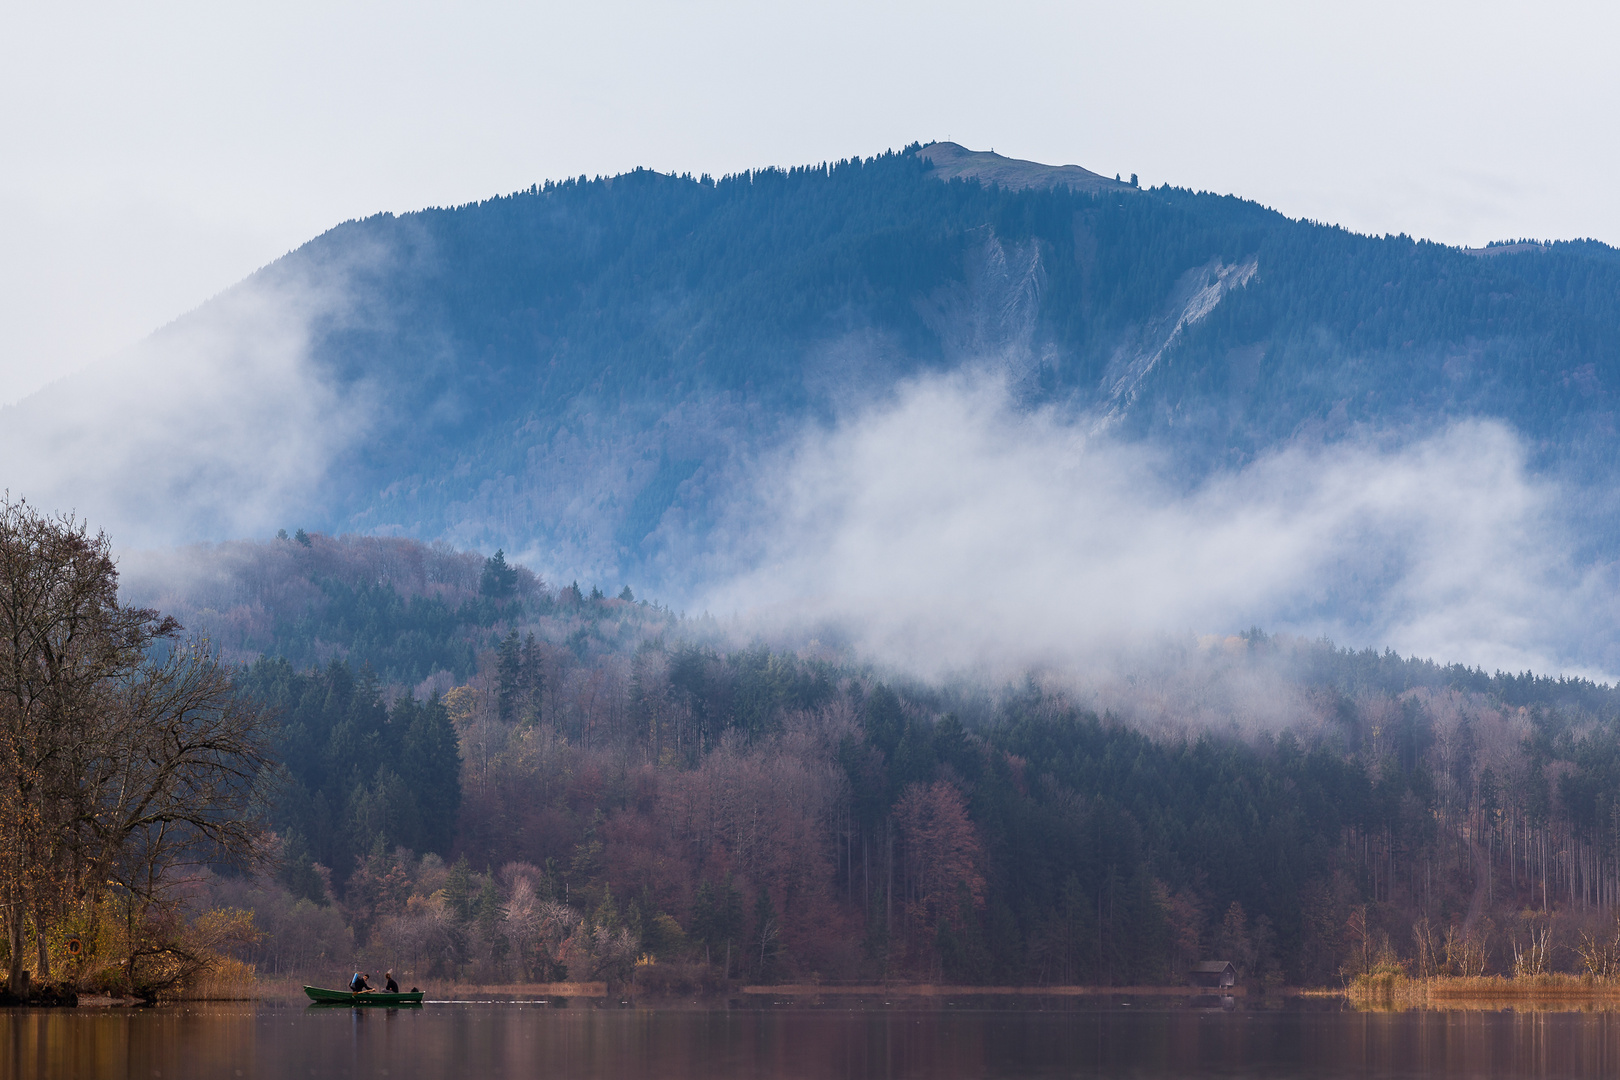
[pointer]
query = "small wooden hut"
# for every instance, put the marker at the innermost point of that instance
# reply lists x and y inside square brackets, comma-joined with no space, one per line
[1213,973]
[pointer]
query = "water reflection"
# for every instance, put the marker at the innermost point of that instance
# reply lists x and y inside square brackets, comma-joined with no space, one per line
[508,1040]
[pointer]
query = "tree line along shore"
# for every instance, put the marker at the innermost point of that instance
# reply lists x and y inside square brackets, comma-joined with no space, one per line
[370,752]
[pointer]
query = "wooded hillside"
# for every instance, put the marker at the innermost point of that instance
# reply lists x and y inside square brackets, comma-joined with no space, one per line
[590,368]
[607,782]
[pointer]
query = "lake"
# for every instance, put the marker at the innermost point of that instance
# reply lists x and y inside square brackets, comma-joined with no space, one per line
[497,1040]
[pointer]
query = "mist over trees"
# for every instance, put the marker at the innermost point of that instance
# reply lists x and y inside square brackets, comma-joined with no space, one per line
[587,367]
[613,793]
[635,798]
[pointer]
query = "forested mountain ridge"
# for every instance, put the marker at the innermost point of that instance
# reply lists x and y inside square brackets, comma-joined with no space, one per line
[591,368]
[670,327]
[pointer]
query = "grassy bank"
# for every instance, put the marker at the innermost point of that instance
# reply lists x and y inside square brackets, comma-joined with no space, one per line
[1394,990]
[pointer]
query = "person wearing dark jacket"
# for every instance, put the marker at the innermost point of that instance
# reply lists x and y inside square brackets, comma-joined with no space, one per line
[391,986]
[360,985]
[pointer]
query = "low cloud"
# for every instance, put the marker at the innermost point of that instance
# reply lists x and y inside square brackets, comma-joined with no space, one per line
[219,425]
[948,531]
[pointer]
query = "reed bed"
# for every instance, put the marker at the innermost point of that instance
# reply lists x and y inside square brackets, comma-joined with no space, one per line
[225,980]
[1557,992]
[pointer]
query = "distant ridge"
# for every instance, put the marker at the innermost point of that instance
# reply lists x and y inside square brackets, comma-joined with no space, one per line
[952,161]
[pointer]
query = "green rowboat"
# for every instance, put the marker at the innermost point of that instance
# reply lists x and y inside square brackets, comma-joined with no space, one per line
[346,997]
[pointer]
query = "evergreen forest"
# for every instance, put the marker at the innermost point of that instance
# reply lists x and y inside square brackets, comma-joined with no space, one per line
[586,367]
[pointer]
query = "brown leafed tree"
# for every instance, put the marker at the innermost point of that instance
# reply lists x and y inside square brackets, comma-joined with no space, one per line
[942,852]
[62,637]
[171,776]
[123,754]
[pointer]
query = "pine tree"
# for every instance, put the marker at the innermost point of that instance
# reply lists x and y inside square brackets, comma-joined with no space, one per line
[498,580]
[431,764]
[508,677]
[532,680]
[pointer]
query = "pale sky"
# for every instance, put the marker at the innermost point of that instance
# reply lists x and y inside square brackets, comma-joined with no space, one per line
[151,155]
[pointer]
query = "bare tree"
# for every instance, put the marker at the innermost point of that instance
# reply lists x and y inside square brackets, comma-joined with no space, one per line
[172,773]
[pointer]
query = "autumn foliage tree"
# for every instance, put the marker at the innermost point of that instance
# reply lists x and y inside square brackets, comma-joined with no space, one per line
[942,854]
[125,754]
[65,640]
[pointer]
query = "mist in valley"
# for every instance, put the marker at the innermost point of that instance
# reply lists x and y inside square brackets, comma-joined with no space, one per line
[951,532]
[945,528]
[946,522]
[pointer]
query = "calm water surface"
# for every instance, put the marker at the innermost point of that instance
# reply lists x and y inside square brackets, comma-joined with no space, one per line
[513,1040]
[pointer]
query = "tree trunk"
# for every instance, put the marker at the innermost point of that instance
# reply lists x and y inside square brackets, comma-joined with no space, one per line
[16,978]
[888,890]
[44,967]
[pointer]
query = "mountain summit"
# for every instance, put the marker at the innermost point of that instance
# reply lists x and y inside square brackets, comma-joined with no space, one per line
[951,161]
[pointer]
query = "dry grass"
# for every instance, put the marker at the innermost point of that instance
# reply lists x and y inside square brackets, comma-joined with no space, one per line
[225,980]
[952,161]
[1393,990]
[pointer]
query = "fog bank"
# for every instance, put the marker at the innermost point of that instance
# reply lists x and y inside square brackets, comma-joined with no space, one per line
[948,531]
[219,425]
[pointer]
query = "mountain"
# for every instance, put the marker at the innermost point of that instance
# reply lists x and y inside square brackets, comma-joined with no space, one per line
[590,369]
[611,377]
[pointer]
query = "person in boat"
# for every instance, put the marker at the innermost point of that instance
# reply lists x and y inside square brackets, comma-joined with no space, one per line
[390,986]
[361,984]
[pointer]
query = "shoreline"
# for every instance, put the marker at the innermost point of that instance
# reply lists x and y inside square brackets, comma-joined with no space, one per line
[291,990]
[1389,991]
[1484,992]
